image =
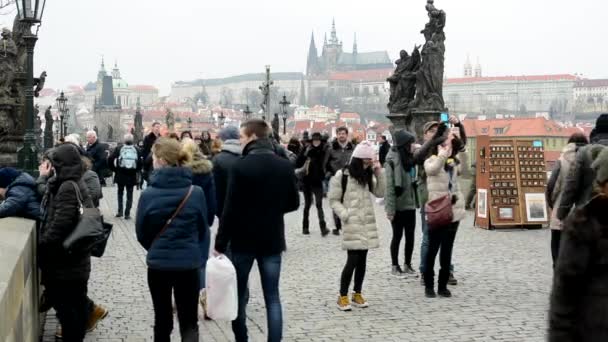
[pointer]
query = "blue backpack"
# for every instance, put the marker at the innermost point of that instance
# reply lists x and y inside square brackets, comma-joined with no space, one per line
[128,157]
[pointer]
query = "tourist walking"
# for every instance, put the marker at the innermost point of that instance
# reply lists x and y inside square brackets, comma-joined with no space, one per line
[555,187]
[337,158]
[350,196]
[580,284]
[65,275]
[206,143]
[401,199]
[385,147]
[98,153]
[146,155]
[223,163]
[262,189]
[171,225]
[442,169]
[126,161]
[312,160]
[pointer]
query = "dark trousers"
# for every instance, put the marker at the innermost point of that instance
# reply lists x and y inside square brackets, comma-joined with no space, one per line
[317,191]
[404,221]
[270,273]
[183,285]
[356,262]
[440,238]
[121,192]
[337,221]
[69,298]
[556,236]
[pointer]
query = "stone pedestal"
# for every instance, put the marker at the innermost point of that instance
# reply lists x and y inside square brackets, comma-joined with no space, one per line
[400,121]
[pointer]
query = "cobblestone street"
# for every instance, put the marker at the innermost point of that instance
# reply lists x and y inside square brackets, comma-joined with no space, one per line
[504,283]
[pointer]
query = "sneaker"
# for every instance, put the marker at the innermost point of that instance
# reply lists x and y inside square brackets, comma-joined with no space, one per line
[452,280]
[98,313]
[396,271]
[444,293]
[118,215]
[409,271]
[336,231]
[344,303]
[430,292]
[359,301]
[127,217]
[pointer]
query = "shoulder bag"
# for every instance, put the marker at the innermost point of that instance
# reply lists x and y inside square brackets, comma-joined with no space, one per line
[89,230]
[439,212]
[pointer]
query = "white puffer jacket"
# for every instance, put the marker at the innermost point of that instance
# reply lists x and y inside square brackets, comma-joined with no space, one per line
[438,181]
[357,212]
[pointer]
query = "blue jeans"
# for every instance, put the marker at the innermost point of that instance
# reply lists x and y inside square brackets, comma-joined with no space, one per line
[270,272]
[424,247]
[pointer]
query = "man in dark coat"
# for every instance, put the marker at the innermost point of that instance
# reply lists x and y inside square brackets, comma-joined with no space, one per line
[337,157]
[261,190]
[313,179]
[579,183]
[385,146]
[223,163]
[126,161]
[98,153]
[149,141]
[19,193]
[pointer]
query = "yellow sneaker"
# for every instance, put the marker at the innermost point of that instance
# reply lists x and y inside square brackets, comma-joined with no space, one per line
[359,301]
[344,303]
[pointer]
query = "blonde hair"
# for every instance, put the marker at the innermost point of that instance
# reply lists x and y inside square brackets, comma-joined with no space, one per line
[216,146]
[190,148]
[170,151]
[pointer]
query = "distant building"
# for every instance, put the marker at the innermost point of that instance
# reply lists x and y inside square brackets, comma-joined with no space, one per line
[350,118]
[591,95]
[316,113]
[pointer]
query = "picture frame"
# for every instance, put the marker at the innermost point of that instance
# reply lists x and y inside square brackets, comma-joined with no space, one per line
[482,203]
[536,207]
[505,213]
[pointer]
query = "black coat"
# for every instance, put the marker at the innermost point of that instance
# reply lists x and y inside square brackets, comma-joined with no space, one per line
[124,176]
[383,151]
[261,190]
[337,157]
[579,300]
[60,216]
[316,168]
[222,164]
[149,141]
[97,153]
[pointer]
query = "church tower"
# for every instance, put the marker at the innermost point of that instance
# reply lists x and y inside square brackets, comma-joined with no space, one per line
[312,64]
[478,69]
[116,71]
[332,50]
[468,67]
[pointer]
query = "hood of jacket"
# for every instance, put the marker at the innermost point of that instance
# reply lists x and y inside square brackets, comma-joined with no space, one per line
[232,146]
[24,179]
[591,217]
[336,145]
[200,165]
[67,163]
[258,145]
[171,177]
[402,138]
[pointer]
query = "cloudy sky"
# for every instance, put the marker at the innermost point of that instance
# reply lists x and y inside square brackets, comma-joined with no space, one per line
[158,42]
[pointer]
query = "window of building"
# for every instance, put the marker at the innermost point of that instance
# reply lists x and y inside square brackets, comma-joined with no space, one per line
[484,130]
[499,130]
[376,91]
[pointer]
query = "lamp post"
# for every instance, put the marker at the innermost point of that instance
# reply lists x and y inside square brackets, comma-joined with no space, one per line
[62,106]
[29,12]
[222,118]
[189,123]
[284,104]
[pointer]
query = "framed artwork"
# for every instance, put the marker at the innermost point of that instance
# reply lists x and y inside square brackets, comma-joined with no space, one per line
[482,203]
[536,207]
[505,213]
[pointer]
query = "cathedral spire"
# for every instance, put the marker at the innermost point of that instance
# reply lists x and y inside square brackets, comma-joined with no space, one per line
[102,71]
[334,36]
[116,71]
[468,67]
[312,66]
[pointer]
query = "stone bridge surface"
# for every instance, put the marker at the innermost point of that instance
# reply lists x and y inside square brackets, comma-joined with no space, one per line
[502,294]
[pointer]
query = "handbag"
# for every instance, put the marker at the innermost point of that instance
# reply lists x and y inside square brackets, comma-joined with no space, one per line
[439,211]
[89,229]
[179,208]
[100,247]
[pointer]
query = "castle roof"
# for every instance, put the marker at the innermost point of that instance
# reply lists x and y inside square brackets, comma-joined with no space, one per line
[275,76]
[364,58]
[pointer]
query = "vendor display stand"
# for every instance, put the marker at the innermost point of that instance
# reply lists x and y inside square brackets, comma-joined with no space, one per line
[511,182]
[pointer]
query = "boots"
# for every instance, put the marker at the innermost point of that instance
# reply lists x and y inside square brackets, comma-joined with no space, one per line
[305,230]
[324,230]
[444,276]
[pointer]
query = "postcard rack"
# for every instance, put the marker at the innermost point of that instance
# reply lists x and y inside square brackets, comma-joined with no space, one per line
[511,181]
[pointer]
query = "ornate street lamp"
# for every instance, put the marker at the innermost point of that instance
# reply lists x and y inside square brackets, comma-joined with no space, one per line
[247,113]
[222,118]
[62,106]
[29,12]
[189,123]
[284,105]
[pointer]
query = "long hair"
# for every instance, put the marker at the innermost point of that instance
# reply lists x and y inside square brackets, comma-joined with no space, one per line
[170,151]
[363,176]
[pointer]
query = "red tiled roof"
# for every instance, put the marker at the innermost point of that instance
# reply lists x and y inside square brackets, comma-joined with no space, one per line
[531,78]
[361,75]
[349,116]
[516,127]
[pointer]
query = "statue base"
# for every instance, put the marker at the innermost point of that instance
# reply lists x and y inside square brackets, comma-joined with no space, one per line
[400,121]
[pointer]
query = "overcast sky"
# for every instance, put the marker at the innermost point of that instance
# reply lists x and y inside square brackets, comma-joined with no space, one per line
[158,42]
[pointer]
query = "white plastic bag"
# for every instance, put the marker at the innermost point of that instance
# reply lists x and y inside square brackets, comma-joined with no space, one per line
[221,288]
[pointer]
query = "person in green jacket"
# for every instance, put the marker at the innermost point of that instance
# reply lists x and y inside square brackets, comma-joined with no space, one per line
[401,199]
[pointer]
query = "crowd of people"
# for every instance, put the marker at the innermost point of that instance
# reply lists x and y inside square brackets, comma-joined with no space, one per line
[189,183]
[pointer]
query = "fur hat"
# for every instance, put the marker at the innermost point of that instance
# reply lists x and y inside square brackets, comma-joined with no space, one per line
[364,151]
[600,165]
[229,133]
[7,176]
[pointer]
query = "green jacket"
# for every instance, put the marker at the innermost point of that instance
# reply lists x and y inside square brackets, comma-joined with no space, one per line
[396,176]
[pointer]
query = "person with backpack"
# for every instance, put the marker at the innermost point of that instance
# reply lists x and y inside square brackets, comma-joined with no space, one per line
[579,183]
[350,196]
[126,161]
[401,199]
[171,225]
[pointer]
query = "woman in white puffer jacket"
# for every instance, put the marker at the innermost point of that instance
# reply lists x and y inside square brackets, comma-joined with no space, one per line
[353,204]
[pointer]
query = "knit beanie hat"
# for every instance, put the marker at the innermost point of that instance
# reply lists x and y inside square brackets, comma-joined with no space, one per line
[229,133]
[600,165]
[601,124]
[7,176]
[364,151]
[403,137]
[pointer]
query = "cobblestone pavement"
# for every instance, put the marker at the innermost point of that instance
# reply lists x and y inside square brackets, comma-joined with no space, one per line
[502,294]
